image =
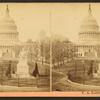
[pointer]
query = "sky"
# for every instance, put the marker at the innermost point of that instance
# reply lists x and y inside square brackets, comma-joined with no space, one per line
[65,20]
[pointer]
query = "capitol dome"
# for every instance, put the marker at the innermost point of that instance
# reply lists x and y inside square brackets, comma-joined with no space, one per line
[8,30]
[89,23]
[89,30]
[7,24]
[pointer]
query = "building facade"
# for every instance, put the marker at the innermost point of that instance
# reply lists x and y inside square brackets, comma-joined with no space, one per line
[9,46]
[8,35]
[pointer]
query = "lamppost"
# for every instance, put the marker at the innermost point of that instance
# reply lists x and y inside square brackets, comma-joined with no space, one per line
[18,80]
[37,77]
[51,48]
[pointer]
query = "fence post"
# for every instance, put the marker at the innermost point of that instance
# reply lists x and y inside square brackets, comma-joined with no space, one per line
[37,80]
[18,80]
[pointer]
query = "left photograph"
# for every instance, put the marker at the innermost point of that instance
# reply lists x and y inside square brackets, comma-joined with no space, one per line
[24,48]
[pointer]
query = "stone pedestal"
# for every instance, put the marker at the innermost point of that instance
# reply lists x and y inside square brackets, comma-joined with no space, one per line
[23,69]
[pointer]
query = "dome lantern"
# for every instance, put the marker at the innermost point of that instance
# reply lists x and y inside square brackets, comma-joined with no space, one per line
[90,10]
[7,24]
[7,10]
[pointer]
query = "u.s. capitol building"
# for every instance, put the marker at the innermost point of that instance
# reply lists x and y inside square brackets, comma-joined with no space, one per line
[8,35]
[89,37]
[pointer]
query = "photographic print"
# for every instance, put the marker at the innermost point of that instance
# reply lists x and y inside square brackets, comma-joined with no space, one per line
[49,49]
[76,58]
[24,53]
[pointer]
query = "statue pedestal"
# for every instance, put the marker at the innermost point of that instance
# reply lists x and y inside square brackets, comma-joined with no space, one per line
[23,69]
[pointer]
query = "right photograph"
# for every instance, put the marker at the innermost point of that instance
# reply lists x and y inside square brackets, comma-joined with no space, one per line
[75,53]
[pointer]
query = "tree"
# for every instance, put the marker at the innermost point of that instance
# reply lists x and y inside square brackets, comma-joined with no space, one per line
[36,71]
[32,51]
[63,51]
[57,52]
[45,49]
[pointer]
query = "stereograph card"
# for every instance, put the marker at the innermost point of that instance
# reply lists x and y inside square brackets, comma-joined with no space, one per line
[49,49]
